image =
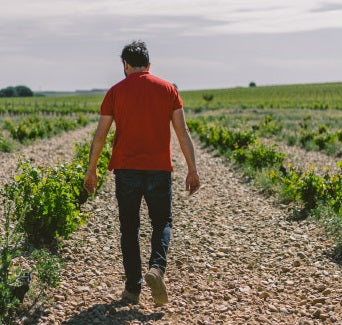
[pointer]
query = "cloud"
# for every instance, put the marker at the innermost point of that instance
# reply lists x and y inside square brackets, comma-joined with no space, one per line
[328,7]
[231,17]
[68,44]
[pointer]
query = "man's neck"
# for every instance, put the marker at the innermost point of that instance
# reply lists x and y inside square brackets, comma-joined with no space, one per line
[137,69]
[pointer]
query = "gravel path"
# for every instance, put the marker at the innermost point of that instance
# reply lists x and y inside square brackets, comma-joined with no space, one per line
[235,258]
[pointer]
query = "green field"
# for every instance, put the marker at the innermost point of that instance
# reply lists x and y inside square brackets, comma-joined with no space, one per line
[62,105]
[309,115]
[308,96]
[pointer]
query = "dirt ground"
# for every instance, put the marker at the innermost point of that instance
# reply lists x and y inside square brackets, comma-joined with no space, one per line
[236,257]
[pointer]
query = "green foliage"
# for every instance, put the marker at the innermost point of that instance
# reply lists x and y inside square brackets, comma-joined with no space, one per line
[208,97]
[23,91]
[309,191]
[308,96]
[269,126]
[221,138]
[319,139]
[7,92]
[305,137]
[41,204]
[9,273]
[82,120]
[34,127]
[18,91]
[318,132]
[291,139]
[6,145]
[50,197]
[323,140]
[48,268]
[330,219]
[81,157]
[264,180]
[339,135]
[252,84]
[14,282]
[322,129]
[287,185]
[60,105]
[333,188]
[258,156]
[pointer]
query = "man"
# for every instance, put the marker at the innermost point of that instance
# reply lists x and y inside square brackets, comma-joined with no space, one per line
[142,106]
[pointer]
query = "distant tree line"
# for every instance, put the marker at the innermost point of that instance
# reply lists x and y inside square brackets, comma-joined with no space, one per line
[18,91]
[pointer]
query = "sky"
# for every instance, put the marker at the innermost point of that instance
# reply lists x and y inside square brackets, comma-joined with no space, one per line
[64,45]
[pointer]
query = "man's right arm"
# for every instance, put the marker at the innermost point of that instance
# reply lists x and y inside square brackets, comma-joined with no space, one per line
[185,142]
[104,124]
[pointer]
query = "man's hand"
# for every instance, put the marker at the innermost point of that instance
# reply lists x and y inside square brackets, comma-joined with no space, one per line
[192,183]
[90,182]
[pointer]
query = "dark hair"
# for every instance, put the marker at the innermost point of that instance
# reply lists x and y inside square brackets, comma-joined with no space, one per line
[136,54]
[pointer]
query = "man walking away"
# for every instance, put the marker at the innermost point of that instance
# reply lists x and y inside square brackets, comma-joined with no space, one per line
[142,106]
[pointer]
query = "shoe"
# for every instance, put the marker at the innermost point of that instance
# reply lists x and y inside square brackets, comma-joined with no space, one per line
[130,297]
[154,279]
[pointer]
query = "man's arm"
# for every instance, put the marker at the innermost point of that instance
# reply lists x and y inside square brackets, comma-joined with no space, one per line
[178,121]
[90,180]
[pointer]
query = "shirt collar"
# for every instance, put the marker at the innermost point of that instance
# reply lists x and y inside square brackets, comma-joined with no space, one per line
[137,74]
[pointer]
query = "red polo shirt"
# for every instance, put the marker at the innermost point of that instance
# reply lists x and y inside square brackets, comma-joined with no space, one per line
[142,106]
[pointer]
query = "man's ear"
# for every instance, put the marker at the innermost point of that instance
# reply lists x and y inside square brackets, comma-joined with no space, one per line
[125,64]
[148,67]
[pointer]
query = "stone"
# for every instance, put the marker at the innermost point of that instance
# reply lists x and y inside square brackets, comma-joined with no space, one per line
[83,289]
[324,316]
[272,308]
[285,269]
[296,263]
[264,295]
[327,292]
[59,298]
[284,310]
[191,269]
[245,289]
[318,300]
[317,313]
[224,250]
[301,255]
[321,288]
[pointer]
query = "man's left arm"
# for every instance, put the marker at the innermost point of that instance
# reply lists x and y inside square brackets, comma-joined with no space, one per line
[90,180]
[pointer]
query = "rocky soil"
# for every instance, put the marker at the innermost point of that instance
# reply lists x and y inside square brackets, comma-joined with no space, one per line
[304,160]
[235,258]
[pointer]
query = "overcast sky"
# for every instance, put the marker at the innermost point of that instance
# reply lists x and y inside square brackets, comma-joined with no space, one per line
[197,44]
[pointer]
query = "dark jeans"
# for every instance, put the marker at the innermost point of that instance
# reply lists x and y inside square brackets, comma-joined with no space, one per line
[155,186]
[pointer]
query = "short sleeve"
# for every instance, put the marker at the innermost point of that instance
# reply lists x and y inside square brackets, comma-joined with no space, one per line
[177,103]
[107,106]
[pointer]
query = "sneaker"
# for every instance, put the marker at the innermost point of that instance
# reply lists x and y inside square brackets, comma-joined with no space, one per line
[130,297]
[154,279]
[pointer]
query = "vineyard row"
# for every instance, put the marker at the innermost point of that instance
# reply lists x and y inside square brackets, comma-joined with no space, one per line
[309,193]
[34,127]
[40,205]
